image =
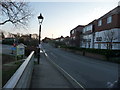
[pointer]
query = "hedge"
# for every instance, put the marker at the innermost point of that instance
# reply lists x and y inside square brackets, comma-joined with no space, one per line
[107,53]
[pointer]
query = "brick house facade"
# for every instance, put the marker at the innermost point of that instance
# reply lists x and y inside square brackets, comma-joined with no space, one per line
[102,33]
[75,36]
[88,35]
[107,30]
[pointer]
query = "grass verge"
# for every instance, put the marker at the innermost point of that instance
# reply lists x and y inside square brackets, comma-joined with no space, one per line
[8,67]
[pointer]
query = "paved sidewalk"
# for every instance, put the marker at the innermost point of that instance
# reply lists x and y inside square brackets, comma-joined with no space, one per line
[45,75]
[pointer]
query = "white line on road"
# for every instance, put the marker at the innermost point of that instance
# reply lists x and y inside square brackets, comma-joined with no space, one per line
[46,54]
[65,72]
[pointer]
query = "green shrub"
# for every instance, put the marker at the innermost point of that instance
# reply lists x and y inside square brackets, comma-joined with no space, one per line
[61,44]
[107,53]
[29,49]
[8,41]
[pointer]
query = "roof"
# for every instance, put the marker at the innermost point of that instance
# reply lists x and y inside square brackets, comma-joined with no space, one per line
[112,12]
[21,44]
[91,22]
[78,28]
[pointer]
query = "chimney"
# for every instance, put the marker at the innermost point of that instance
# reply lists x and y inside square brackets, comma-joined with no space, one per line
[119,3]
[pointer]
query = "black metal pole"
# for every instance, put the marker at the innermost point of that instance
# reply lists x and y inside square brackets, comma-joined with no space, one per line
[39,44]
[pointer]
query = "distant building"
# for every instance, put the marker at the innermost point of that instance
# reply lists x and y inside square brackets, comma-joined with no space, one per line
[59,39]
[34,36]
[26,37]
[46,40]
[67,40]
[10,41]
[75,36]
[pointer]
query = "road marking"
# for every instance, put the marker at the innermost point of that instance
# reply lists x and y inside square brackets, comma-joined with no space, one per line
[46,54]
[41,51]
[65,72]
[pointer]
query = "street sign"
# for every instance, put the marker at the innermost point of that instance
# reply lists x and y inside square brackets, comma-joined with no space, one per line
[13,48]
[20,49]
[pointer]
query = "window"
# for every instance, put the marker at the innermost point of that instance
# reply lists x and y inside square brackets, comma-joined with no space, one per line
[98,38]
[88,40]
[84,29]
[89,27]
[72,31]
[109,19]
[99,22]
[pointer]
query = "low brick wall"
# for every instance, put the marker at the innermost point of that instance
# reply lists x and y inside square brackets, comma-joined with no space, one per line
[96,56]
[69,50]
[88,54]
[79,52]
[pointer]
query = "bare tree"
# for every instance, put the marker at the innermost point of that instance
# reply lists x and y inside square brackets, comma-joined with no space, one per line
[2,35]
[109,37]
[17,13]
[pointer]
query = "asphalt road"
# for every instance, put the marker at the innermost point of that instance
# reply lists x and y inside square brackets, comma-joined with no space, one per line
[89,72]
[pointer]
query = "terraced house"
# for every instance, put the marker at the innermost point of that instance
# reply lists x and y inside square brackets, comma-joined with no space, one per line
[103,33]
[75,36]
[88,35]
[107,30]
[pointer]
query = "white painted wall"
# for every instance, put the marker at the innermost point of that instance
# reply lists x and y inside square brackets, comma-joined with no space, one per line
[103,44]
[87,44]
[104,34]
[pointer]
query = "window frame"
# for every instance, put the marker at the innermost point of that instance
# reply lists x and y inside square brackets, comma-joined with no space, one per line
[109,19]
[100,22]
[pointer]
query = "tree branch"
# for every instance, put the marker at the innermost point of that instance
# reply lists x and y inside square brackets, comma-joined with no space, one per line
[15,12]
[5,22]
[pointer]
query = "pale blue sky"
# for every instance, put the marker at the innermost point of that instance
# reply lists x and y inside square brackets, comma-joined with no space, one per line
[61,17]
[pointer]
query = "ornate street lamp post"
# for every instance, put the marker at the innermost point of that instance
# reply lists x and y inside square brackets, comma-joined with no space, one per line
[40,19]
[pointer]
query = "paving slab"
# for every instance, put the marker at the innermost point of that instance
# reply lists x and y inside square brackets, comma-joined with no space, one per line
[45,75]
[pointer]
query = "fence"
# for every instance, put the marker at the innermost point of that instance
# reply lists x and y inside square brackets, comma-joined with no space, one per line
[22,77]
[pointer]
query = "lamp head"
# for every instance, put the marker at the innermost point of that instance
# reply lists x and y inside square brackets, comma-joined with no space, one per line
[40,18]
